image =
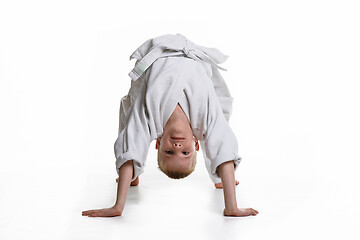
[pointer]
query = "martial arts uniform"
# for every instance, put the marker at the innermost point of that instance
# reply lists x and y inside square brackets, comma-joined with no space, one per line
[170,69]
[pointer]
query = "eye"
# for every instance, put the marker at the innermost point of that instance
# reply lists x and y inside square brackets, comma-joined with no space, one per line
[186,153]
[169,152]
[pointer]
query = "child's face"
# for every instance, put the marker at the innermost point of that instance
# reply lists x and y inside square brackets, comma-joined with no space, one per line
[177,147]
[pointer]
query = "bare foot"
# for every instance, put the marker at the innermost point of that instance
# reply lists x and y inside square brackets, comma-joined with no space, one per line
[133,183]
[220,185]
[105,212]
[240,212]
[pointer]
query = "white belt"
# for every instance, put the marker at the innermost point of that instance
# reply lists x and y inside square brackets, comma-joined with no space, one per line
[172,45]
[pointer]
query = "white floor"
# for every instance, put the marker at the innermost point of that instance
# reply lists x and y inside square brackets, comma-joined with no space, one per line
[293,70]
[301,204]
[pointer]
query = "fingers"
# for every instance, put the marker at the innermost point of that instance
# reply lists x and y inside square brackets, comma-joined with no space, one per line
[254,212]
[89,213]
[94,213]
[248,212]
[105,212]
[240,212]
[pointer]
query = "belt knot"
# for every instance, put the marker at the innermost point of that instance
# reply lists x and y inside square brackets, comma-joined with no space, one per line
[154,48]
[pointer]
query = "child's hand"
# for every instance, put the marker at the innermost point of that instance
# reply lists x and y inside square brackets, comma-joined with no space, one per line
[240,212]
[105,212]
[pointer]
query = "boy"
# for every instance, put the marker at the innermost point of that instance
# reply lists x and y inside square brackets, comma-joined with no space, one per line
[179,98]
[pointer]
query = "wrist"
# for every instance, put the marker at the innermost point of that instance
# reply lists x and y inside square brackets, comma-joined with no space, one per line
[231,208]
[118,207]
[230,211]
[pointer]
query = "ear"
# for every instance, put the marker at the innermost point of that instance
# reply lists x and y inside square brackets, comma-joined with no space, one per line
[157,144]
[196,144]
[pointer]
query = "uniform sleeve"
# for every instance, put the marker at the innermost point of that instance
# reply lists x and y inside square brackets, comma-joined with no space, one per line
[222,92]
[134,137]
[127,101]
[220,146]
[219,142]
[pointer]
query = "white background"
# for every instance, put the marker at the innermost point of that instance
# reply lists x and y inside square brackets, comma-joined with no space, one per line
[293,70]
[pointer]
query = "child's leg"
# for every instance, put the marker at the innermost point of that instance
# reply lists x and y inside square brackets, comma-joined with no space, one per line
[220,185]
[217,181]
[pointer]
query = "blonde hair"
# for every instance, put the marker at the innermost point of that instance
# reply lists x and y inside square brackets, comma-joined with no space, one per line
[175,174]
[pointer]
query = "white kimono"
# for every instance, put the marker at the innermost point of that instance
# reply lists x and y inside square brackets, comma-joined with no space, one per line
[170,70]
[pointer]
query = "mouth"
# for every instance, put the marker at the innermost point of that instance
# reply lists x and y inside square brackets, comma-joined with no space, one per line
[177,138]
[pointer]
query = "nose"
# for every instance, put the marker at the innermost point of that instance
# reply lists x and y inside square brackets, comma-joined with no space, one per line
[177,144]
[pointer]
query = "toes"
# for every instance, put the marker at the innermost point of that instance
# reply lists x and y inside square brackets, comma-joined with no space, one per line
[220,185]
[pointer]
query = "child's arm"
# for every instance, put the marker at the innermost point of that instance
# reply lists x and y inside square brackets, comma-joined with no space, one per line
[227,175]
[126,172]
